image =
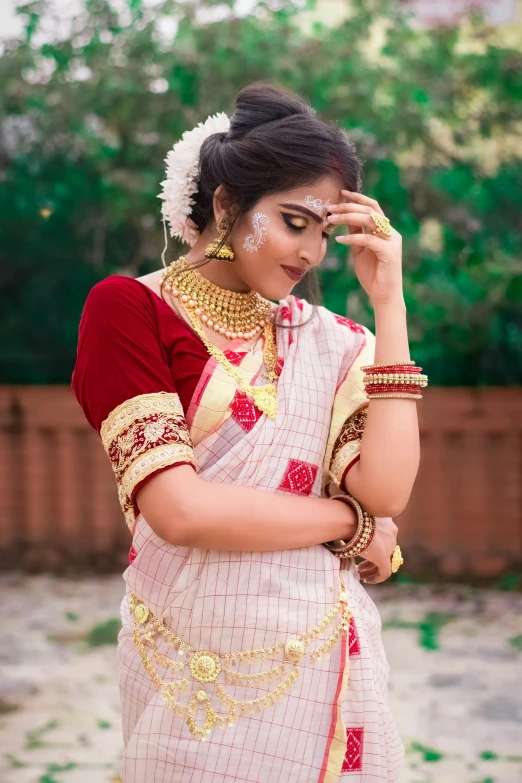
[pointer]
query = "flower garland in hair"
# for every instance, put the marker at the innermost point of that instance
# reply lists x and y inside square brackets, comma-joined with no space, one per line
[182,176]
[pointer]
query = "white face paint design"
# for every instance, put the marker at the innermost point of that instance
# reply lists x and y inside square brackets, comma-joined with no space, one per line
[253,241]
[319,205]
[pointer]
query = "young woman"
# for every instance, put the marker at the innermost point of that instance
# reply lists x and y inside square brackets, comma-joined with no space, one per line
[235,415]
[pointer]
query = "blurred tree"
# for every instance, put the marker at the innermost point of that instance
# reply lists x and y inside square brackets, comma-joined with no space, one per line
[88,117]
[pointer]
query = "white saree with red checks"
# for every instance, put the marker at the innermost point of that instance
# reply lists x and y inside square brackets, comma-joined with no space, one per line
[334,724]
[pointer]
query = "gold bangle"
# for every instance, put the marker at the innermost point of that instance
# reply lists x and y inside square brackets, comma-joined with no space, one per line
[339,544]
[415,379]
[363,536]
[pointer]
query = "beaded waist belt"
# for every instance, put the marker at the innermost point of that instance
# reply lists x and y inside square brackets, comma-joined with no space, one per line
[205,666]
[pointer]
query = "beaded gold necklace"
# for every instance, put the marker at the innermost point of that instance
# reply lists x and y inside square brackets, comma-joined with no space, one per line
[232,314]
[264,397]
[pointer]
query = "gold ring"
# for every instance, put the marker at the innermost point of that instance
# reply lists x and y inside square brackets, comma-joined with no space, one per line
[396,559]
[382,223]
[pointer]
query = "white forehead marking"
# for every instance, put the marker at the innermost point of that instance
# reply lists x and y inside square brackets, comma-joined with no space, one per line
[319,205]
[253,241]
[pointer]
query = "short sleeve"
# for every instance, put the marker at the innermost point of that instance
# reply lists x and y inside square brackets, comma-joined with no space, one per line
[124,386]
[350,403]
[352,400]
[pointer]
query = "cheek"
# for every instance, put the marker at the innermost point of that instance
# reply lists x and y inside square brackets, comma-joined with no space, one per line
[280,243]
[266,241]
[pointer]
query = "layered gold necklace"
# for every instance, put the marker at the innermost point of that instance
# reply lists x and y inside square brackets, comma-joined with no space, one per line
[234,315]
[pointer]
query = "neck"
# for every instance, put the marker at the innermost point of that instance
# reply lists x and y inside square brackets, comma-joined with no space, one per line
[222,273]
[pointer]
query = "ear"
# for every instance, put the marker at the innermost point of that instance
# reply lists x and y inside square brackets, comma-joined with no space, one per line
[222,203]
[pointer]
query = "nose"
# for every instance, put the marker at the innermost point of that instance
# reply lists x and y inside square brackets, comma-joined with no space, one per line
[312,254]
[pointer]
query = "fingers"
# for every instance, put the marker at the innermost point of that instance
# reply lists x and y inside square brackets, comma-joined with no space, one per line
[354,219]
[350,206]
[367,570]
[381,576]
[360,240]
[360,198]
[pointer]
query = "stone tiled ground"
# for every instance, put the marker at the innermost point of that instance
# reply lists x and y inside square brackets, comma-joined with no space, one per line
[456,686]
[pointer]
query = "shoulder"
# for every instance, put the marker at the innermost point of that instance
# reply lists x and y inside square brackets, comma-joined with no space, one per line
[119,288]
[119,299]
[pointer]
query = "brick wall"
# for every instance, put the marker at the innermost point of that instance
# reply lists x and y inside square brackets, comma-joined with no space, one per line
[59,508]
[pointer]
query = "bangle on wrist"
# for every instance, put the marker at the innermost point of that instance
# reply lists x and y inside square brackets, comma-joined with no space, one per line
[400,379]
[363,536]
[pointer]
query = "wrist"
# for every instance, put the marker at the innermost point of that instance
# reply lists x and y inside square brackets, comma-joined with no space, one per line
[345,519]
[358,543]
[393,304]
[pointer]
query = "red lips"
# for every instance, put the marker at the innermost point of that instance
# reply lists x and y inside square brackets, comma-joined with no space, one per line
[293,272]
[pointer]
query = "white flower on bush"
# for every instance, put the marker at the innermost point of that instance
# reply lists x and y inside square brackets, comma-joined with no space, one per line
[182,176]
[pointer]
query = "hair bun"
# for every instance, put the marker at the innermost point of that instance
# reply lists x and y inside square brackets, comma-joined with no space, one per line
[262,102]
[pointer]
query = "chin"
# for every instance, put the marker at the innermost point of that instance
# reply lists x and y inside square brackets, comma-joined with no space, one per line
[275,293]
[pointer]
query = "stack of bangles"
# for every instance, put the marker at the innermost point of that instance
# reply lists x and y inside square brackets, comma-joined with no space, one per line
[402,379]
[363,536]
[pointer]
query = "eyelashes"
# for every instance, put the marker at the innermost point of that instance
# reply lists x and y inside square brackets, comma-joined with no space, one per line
[297,229]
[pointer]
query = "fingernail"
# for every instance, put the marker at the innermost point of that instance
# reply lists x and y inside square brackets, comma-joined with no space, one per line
[340,239]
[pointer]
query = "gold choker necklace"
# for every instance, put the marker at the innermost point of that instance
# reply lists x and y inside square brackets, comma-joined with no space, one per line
[264,397]
[234,315]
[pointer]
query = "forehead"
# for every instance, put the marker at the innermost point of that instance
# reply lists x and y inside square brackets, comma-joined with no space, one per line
[326,189]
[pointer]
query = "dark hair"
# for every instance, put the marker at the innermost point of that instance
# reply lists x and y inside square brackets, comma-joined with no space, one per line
[275,143]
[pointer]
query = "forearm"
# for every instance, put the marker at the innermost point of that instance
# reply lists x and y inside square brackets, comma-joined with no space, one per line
[383,478]
[184,510]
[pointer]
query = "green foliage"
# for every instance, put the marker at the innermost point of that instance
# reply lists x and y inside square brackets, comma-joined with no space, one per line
[516,642]
[429,627]
[428,754]
[87,122]
[34,738]
[104,633]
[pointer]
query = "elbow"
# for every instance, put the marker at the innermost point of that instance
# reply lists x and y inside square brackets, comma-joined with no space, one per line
[378,497]
[169,505]
[173,528]
[389,504]
[386,507]
[179,526]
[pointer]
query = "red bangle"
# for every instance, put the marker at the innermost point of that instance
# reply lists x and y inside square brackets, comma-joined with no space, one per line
[374,387]
[394,368]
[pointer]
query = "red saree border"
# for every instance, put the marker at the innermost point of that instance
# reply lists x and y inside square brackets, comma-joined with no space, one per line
[336,742]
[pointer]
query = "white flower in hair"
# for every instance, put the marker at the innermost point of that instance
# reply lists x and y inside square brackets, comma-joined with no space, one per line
[183,176]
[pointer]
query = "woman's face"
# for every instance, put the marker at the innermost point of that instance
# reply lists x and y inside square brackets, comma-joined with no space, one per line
[283,237]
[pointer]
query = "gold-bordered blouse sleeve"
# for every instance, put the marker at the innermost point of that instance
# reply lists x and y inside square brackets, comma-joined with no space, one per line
[145,434]
[347,447]
[349,412]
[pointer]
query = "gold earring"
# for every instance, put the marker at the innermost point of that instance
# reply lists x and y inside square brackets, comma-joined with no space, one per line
[225,252]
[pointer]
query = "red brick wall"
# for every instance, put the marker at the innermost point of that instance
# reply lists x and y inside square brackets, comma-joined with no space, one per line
[59,508]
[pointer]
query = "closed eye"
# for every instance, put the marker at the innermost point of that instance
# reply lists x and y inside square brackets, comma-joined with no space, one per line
[298,229]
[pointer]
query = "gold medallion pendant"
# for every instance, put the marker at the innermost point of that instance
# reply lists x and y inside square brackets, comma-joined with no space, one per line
[205,666]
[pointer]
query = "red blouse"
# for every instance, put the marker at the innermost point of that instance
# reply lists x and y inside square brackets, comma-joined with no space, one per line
[132,342]
[137,366]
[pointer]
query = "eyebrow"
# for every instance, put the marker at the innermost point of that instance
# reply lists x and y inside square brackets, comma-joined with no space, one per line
[305,211]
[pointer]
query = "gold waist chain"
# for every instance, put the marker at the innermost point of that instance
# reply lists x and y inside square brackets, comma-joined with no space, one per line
[205,666]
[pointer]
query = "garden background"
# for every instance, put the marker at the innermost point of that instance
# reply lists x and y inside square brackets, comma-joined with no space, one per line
[92,96]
